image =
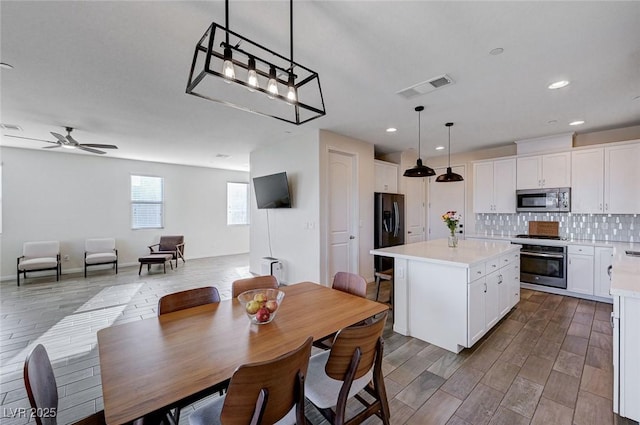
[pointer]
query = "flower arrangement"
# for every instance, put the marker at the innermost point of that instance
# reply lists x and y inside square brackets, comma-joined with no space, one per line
[451,219]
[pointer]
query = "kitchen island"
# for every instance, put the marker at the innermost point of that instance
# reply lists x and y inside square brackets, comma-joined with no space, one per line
[451,297]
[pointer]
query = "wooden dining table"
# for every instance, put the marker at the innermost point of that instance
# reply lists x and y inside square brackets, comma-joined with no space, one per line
[152,364]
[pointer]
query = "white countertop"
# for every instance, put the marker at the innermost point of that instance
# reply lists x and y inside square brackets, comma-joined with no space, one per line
[466,254]
[625,274]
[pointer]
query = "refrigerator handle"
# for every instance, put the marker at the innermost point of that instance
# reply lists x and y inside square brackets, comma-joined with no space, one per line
[396,217]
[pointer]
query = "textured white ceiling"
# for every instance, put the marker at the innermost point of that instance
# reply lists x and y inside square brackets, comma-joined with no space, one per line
[117,72]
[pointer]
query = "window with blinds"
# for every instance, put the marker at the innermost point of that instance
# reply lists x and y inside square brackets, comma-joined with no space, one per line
[147,202]
[237,204]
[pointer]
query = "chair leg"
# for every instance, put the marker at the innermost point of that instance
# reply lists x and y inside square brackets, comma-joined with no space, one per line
[140,269]
[18,277]
[165,267]
[85,270]
[378,285]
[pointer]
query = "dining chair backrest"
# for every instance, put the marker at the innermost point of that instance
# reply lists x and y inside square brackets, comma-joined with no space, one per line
[187,299]
[364,337]
[281,380]
[257,282]
[351,283]
[41,387]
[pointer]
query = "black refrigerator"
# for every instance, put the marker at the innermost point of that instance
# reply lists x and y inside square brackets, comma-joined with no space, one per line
[389,225]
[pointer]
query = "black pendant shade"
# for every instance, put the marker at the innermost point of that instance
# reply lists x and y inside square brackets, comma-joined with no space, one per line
[419,170]
[449,176]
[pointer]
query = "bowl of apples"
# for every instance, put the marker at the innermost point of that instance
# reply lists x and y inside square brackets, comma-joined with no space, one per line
[261,305]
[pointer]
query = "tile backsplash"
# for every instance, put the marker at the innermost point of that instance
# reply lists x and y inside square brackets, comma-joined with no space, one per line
[592,227]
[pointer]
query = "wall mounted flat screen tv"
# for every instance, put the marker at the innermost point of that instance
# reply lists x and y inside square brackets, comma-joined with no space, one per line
[272,191]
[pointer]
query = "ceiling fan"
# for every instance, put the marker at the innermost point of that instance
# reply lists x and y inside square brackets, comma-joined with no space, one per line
[69,142]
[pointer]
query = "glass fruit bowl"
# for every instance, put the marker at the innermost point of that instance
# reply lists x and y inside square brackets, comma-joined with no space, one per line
[261,305]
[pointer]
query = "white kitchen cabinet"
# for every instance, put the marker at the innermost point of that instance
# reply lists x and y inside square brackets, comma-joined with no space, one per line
[580,269]
[602,271]
[544,171]
[476,312]
[587,177]
[622,179]
[494,185]
[626,352]
[509,286]
[606,180]
[386,176]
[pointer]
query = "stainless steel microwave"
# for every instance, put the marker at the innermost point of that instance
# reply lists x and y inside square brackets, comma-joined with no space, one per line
[544,200]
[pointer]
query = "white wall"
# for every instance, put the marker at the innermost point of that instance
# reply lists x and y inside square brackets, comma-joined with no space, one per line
[71,197]
[364,154]
[295,233]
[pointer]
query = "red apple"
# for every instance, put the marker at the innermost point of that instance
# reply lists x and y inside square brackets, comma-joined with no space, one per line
[271,305]
[263,315]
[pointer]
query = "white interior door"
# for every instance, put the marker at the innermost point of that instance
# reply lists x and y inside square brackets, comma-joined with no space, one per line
[445,197]
[415,198]
[343,244]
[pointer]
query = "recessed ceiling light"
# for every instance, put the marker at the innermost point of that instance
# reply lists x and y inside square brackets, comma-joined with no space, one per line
[552,122]
[4,65]
[558,84]
[496,51]
[222,155]
[439,148]
[391,130]
[636,98]
[576,122]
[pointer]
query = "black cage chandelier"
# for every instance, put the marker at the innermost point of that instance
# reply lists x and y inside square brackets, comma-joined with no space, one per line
[232,70]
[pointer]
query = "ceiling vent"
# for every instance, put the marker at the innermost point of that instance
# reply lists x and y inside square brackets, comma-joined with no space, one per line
[10,127]
[426,86]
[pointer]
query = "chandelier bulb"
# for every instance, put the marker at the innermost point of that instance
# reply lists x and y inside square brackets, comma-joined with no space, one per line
[272,85]
[227,67]
[292,95]
[252,77]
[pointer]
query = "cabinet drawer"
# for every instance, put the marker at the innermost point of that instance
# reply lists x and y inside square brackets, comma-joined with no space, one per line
[493,265]
[513,258]
[476,272]
[580,249]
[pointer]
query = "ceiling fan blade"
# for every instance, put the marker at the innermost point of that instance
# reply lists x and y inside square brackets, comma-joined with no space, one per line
[98,145]
[31,138]
[84,148]
[52,147]
[72,140]
[60,138]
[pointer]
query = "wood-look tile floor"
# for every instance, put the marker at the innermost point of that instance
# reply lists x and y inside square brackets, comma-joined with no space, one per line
[548,362]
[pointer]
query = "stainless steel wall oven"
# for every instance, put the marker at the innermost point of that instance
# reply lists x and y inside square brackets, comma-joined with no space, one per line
[544,265]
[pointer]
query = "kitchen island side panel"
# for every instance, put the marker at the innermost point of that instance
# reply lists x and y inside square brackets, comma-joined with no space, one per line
[437,304]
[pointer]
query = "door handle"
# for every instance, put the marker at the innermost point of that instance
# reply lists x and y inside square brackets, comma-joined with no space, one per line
[352,237]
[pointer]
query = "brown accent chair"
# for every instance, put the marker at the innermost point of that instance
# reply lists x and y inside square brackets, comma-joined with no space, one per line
[179,301]
[42,390]
[173,245]
[350,283]
[353,364]
[269,392]
[257,282]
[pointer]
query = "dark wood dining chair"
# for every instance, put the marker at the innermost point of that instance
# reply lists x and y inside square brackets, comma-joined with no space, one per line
[180,301]
[350,283]
[256,282]
[353,364]
[268,392]
[40,383]
[187,299]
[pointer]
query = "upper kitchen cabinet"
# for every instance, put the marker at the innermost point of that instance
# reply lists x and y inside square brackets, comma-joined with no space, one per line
[494,186]
[606,180]
[386,176]
[622,179]
[544,171]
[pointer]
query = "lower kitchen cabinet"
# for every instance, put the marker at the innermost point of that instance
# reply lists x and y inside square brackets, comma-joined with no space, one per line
[626,352]
[580,269]
[602,272]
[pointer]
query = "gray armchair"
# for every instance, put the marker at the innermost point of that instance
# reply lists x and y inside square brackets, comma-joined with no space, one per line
[173,245]
[39,256]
